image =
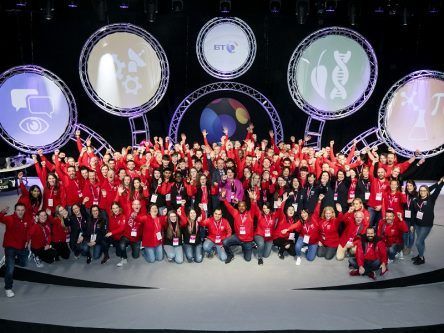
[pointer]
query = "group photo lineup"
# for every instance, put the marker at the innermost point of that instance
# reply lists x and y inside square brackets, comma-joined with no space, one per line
[222,166]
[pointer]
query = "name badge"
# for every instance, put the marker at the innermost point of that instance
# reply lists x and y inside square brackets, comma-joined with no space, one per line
[242,230]
[80,194]
[218,239]
[50,202]
[349,243]
[204,206]
[175,241]
[80,235]
[179,200]
[276,204]
[408,214]
[335,197]
[367,195]
[267,232]
[306,239]
[133,233]
[419,215]
[153,198]
[95,202]
[192,239]
[379,196]
[291,236]
[93,237]
[159,235]
[295,206]
[68,238]
[232,196]
[168,197]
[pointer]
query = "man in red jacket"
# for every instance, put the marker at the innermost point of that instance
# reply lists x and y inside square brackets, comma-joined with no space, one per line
[391,230]
[15,242]
[218,230]
[371,254]
[355,226]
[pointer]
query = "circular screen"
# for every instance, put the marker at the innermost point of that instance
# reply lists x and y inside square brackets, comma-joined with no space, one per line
[223,113]
[37,109]
[124,69]
[226,47]
[332,73]
[412,114]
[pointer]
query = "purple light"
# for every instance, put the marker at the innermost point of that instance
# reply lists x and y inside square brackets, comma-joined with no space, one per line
[124,5]
[21,3]
[72,4]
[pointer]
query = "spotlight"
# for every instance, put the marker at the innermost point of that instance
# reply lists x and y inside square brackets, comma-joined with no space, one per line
[101,9]
[354,11]
[150,9]
[330,6]
[433,7]
[405,16]
[72,4]
[177,6]
[48,10]
[21,3]
[225,6]
[124,4]
[275,6]
[302,10]
[392,7]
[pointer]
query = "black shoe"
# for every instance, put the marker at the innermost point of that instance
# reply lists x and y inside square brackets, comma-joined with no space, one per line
[281,255]
[88,260]
[229,259]
[260,261]
[419,261]
[105,259]
[190,260]
[415,258]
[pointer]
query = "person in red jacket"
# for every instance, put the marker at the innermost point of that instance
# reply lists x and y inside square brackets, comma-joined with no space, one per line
[60,235]
[40,239]
[15,242]
[117,223]
[243,229]
[154,227]
[355,226]
[218,230]
[328,225]
[391,230]
[32,198]
[371,255]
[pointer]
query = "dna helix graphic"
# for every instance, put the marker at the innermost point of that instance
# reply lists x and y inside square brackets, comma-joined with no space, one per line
[340,75]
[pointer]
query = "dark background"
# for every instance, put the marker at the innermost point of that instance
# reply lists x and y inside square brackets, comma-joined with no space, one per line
[28,38]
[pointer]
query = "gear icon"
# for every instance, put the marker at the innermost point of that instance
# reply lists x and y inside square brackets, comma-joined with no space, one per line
[120,66]
[132,85]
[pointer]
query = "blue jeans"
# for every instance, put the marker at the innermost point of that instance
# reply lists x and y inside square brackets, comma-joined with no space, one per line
[193,252]
[392,250]
[247,247]
[375,216]
[263,247]
[174,252]
[12,257]
[151,254]
[311,252]
[421,235]
[409,239]
[369,266]
[208,246]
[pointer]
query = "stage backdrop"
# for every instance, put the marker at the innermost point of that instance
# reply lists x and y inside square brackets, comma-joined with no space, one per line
[56,45]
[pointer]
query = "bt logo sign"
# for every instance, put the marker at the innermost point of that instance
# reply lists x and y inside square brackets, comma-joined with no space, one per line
[230,47]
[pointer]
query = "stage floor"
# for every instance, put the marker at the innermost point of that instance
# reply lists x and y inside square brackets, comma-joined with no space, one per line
[239,296]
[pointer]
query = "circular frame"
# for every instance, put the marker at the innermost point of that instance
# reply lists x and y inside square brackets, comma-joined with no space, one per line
[201,56]
[382,122]
[69,132]
[226,86]
[83,69]
[297,54]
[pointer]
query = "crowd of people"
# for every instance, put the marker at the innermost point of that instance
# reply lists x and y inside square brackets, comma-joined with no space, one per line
[187,201]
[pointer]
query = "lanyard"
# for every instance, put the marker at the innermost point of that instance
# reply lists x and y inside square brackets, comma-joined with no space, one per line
[366,185]
[337,185]
[44,233]
[420,206]
[218,226]
[309,191]
[381,185]
[79,221]
[243,218]
[93,192]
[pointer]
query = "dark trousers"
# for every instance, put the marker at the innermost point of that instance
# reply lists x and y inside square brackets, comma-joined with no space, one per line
[62,250]
[281,243]
[116,243]
[47,256]
[135,248]
[326,252]
[13,257]
[247,247]
[369,266]
[77,249]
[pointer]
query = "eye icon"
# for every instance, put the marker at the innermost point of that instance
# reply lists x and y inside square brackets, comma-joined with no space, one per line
[34,125]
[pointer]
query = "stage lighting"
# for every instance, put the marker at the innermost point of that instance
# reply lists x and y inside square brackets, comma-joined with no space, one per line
[275,6]
[330,6]
[378,7]
[21,3]
[101,9]
[354,11]
[225,6]
[302,10]
[124,4]
[392,7]
[177,6]
[48,10]
[433,7]
[150,8]
[72,4]
[405,16]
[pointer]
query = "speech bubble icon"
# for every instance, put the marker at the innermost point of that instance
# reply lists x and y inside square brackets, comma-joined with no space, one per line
[40,105]
[18,97]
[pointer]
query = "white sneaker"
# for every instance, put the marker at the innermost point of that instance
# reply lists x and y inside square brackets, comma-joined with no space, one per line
[37,261]
[401,255]
[304,249]
[122,262]
[298,261]
[2,261]
[9,293]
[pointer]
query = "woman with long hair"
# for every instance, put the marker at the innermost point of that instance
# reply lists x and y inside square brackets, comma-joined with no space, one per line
[78,225]
[409,214]
[191,233]
[32,198]
[172,244]
[60,235]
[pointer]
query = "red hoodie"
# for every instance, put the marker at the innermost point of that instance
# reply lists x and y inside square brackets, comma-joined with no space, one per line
[16,234]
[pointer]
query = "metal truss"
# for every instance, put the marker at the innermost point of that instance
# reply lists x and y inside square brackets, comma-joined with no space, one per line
[296,56]
[370,138]
[314,128]
[69,99]
[139,129]
[100,145]
[382,119]
[226,86]
[83,69]
[200,48]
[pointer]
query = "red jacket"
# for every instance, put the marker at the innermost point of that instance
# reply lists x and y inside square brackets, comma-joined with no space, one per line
[393,202]
[58,231]
[153,230]
[370,252]
[243,223]
[377,190]
[221,229]
[31,210]
[134,226]
[117,225]
[310,228]
[328,229]
[39,235]
[110,189]
[264,222]
[392,233]
[93,192]
[352,230]
[16,234]
[53,197]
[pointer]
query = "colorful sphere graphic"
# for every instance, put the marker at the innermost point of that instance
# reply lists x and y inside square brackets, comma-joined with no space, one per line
[225,113]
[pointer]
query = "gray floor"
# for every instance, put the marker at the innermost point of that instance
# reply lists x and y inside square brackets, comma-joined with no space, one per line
[238,296]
